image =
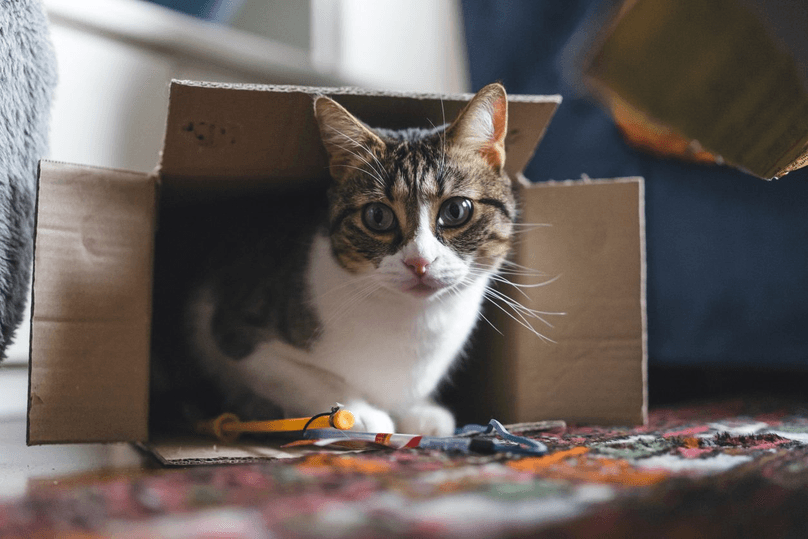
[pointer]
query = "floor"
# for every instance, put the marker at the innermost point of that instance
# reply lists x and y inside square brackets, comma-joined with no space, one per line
[20,464]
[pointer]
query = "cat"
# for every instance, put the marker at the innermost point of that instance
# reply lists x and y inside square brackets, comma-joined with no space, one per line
[363,296]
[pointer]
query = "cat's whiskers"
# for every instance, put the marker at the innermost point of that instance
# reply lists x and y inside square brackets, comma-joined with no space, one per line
[534,313]
[519,230]
[497,274]
[503,280]
[520,312]
[381,170]
[513,265]
[511,269]
[528,227]
[492,296]
[500,277]
[455,289]
[360,169]
[345,284]
[376,174]
[514,272]
[518,307]
[481,315]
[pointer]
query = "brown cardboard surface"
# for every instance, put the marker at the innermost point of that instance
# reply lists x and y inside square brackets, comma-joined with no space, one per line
[716,73]
[590,248]
[91,316]
[233,137]
[187,451]
[595,371]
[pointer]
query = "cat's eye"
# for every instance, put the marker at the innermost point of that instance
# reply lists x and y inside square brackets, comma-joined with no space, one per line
[378,217]
[455,212]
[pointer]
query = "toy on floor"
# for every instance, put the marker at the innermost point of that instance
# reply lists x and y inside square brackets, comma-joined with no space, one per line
[228,427]
[315,432]
[483,439]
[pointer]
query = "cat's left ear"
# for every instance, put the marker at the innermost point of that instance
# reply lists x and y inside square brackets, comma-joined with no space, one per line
[482,125]
[346,139]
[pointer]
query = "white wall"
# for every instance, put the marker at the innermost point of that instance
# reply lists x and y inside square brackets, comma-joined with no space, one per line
[416,45]
[116,58]
[110,101]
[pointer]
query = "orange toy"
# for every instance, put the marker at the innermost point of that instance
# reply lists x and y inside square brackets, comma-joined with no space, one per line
[228,427]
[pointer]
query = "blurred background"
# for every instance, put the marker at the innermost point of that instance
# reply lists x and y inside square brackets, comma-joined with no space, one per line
[117,57]
[727,261]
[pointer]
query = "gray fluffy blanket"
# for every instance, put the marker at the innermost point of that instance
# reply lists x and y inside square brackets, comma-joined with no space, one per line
[27,80]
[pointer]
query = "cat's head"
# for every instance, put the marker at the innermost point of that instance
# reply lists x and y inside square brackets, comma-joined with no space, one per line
[424,211]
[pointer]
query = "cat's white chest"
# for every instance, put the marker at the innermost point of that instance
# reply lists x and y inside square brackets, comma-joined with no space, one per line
[394,347]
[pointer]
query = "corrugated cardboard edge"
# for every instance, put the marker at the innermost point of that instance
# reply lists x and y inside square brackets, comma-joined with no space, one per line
[127,428]
[798,162]
[644,300]
[355,90]
[28,440]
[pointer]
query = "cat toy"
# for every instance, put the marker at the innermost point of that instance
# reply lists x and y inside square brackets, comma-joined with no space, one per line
[485,439]
[228,427]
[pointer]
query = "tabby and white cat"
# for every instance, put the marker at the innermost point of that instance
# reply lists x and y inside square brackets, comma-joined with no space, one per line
[365,298]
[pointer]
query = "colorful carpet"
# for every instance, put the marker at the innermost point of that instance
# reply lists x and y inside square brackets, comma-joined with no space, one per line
[734,469]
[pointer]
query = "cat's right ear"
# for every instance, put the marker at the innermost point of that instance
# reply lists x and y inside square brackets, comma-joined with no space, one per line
[349,142]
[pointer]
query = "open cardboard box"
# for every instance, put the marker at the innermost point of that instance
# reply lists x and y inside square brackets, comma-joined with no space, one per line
[95,235]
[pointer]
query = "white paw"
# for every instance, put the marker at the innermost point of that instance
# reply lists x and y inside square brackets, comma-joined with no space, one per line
[427,419]
[369,419]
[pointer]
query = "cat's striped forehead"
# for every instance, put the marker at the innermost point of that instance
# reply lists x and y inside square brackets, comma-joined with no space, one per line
[414,177]
[409,175]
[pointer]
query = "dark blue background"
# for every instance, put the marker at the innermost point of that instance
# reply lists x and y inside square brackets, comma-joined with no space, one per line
[727,256]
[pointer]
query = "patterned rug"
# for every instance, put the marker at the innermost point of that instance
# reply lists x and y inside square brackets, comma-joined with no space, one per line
[730,469]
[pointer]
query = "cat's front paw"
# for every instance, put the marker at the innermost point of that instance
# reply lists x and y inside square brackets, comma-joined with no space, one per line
[369,419]
[427,419]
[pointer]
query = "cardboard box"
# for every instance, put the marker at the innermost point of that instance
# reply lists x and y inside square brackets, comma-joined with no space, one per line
[722,81]
[91,320]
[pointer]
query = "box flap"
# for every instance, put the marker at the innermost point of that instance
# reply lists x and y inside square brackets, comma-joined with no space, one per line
[595,245]
[91,316]
[248,133]
[589,247]
[185,450]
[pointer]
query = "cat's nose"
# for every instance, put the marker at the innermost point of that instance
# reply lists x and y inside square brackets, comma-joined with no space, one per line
[418,265]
